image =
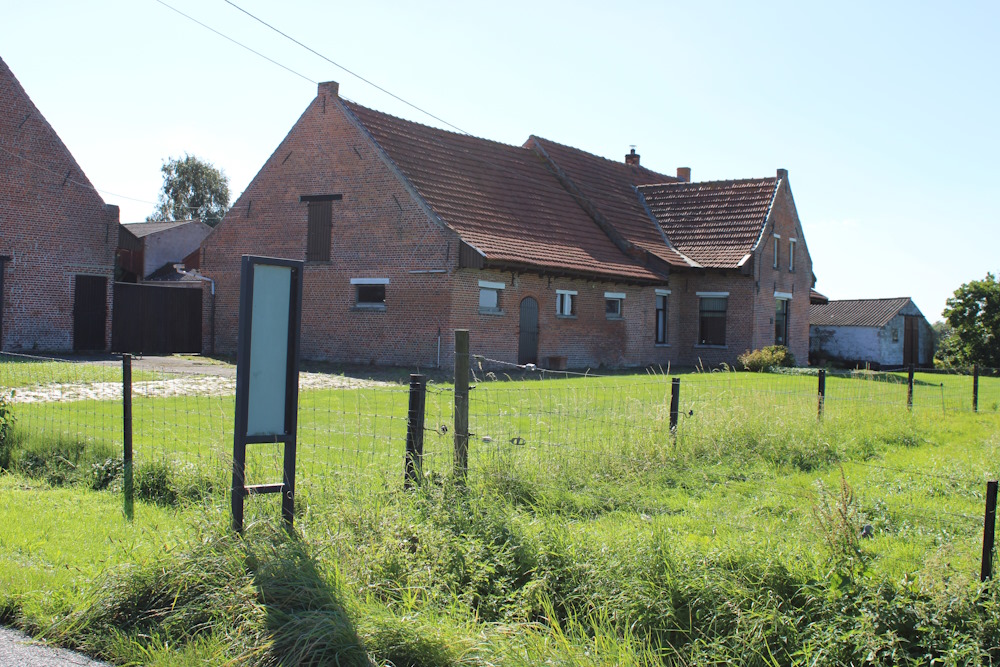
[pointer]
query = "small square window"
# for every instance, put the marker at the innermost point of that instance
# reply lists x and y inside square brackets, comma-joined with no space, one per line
[613,308]
[489,296]
[371,295]
[565,303]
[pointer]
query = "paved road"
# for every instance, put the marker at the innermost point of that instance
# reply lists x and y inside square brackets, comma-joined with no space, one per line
[18,650]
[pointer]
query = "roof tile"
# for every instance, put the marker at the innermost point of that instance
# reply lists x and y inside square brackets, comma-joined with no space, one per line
[856,312]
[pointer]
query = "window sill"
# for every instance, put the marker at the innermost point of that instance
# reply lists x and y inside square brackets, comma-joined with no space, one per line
[565,317]
[361,308]
[318,262]
[616,318]
[705,346]
[661,344]
[490,311]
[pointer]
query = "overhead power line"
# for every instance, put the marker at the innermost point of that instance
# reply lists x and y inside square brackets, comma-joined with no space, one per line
[227,37]
[338,65]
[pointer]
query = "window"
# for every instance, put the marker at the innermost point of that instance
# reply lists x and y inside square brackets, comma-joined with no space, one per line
[781,321]
[777,248]
[370,293]
[320,220]
[712,318]
[565,303]
[613,305]
[489,297]
[791,254]
[661,316]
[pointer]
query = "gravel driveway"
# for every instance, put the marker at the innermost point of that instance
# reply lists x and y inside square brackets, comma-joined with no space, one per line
[17,648]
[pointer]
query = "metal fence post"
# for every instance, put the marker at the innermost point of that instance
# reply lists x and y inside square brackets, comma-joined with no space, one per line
[989,526]
[675,404]
[461,402]
[975,388]
[415,431]
[127,482]
[909,390]
[821,392]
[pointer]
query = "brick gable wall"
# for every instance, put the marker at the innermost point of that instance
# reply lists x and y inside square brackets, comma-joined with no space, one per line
[378,231]
[53,225]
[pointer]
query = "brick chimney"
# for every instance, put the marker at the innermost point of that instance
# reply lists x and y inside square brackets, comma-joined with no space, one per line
[632,158]
[783,174]
[684,174]
[331,88]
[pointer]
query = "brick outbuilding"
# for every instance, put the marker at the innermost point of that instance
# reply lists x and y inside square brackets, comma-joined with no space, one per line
[546,253]
[57,237]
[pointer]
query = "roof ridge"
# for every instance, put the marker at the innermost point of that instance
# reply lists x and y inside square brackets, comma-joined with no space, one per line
[690,183]
[465,135]
[595,155]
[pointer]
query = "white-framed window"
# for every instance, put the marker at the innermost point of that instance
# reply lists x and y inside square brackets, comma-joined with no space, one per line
[661,316]
[369,293]
[777,248]
[791,254]
[613,305]
[565,303]
[712,307]
[489,297]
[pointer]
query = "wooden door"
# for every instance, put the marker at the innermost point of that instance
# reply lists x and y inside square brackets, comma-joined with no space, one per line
[911,340]
[527,345]
[90,313]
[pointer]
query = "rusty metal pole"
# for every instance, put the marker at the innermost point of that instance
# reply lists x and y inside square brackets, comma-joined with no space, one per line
[461,403]
[909,390]
[989,527]
[975,388]
[821,391]
[675,404]
[127,482]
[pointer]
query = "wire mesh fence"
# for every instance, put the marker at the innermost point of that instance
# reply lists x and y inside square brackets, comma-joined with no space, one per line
[534,432]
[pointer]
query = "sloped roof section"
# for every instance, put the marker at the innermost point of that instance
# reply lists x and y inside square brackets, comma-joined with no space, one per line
[611,188]
[501,199]
[141,229]
[856,312]
[715,223]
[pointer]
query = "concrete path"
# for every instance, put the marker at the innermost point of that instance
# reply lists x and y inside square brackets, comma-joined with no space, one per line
[18,649]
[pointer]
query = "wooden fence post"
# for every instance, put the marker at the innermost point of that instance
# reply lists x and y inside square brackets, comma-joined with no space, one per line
[413,463]
[127,482]
[975,388]
[675,404]
[821,392]
[989,526]
[909,390]
[461,402]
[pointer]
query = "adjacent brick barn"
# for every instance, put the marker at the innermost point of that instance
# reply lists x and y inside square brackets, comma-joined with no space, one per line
[546,253]
[57,237]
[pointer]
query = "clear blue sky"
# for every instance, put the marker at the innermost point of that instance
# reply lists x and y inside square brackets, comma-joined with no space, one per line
[885,114]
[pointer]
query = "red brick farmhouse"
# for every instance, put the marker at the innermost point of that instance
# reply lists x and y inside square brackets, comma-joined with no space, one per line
[546,253]
[57,237]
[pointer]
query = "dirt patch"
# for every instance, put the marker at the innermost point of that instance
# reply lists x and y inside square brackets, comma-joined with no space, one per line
[186,385]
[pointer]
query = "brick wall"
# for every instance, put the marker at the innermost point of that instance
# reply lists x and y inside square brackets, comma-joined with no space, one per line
[53,225]
[379,231]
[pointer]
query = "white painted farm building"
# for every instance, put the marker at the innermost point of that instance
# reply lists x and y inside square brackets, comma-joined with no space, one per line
[880,333]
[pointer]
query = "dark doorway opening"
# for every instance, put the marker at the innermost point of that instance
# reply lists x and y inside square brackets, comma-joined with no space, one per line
[90,313]
[527,345]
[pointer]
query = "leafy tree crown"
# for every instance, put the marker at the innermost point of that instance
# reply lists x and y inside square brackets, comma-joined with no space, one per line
[192,188]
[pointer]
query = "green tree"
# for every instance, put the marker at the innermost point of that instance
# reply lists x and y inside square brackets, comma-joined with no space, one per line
[974,315]
[192,188]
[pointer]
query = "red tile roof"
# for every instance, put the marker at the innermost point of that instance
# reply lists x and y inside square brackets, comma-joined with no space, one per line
[501,199]
[715,223]
[611,187]
[856,312]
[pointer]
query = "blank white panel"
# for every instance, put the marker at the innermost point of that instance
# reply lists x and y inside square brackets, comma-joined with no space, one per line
[268,350]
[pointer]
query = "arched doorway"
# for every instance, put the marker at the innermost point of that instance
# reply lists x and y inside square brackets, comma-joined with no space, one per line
[527,343]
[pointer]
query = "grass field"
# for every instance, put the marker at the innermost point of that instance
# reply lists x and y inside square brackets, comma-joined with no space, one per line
[588,532]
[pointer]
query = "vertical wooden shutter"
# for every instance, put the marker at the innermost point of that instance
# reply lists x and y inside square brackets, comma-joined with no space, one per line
[318,237]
